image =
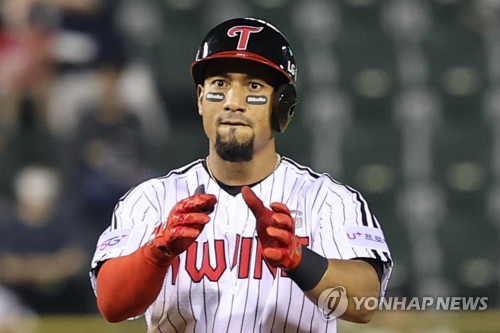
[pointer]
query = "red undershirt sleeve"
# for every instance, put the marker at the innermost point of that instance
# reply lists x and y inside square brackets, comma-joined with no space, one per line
[128,285]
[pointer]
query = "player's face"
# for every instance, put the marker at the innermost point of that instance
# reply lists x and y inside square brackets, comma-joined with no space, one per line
[235,103]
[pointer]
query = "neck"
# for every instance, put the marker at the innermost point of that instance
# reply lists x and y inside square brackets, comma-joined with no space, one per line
[242,173]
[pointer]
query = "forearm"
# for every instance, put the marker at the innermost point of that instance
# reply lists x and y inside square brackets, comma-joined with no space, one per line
[359,280]
[128,285]
[315,274]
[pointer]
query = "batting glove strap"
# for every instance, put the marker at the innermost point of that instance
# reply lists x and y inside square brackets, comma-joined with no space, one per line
[156,251]
[286,258]
[155,256]
[310,270]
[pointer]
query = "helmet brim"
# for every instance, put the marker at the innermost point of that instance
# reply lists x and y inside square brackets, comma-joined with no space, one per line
[198,68]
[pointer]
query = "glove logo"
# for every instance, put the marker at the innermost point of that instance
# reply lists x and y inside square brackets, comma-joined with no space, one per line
[244,32]
[333,302]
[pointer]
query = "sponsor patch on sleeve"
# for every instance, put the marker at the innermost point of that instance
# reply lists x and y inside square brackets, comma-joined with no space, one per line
[116,239]
[366,237]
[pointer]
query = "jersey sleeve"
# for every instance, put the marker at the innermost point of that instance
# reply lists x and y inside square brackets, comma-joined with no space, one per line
[133,221]
[347,228]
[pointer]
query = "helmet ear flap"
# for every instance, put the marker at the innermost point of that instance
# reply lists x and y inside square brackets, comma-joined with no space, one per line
[283,107]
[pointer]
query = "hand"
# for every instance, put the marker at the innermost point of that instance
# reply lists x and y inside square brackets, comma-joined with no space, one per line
[185,223]
[275,231]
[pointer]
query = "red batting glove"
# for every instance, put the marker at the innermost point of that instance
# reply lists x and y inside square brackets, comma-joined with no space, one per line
[275,231]
[184,224]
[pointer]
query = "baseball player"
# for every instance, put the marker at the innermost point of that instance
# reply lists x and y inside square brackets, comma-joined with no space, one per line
[244,240]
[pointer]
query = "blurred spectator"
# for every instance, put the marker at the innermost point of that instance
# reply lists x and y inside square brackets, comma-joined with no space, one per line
[26,71]
[109,152]
[88,39]
[57,59]
[43,251]
[29,141]
[26,66]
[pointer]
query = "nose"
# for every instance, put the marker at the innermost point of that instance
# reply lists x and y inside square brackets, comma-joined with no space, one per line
[235,99]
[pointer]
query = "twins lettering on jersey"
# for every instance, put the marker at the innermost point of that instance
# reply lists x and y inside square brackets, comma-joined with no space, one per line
[242,257]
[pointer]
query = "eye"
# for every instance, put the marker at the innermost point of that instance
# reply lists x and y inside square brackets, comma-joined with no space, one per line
[255,86]
[218,83]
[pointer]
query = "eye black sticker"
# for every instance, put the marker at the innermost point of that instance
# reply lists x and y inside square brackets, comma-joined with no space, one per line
[258,100]
[215,97]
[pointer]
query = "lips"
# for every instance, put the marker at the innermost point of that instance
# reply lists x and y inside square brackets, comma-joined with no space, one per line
[234,123]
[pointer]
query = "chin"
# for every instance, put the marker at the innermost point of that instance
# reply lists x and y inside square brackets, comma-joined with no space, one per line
[234,149]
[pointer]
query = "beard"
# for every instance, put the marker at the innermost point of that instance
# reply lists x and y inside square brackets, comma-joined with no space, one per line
[234,151]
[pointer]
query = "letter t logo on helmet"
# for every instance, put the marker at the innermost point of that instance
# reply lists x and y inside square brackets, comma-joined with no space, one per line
[244,33]
[252,39]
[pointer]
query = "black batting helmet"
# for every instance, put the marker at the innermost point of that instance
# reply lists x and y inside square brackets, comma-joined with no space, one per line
[254,40]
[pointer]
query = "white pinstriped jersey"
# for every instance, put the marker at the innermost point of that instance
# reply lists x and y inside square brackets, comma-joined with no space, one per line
[221,283]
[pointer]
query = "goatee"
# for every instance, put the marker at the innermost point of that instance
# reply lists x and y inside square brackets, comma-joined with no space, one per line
[234,151]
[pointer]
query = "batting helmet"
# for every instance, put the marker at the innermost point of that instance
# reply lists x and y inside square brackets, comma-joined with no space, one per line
[254,40]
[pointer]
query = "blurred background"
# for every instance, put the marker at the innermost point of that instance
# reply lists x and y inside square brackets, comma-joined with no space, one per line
[398,98]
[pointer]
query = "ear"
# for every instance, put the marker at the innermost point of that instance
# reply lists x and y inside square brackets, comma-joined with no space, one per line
[200,93]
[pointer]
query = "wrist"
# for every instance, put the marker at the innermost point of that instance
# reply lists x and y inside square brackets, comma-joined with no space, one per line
[310,270]
[156,256]
[296,255]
